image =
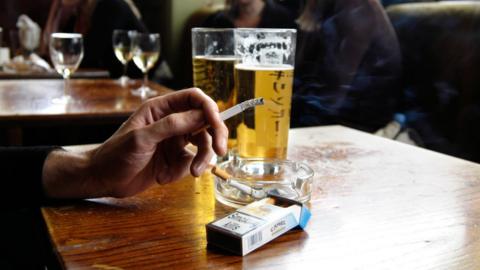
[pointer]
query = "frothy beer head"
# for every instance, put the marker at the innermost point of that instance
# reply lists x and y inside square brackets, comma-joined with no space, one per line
[265,46]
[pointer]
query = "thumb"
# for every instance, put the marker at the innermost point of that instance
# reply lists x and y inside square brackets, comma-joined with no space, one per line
[175,124]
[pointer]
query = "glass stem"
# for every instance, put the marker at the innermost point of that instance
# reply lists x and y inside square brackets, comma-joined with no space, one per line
[65,86]
[145,80]
[125,69]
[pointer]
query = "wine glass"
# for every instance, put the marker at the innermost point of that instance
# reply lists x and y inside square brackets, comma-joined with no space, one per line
[146,50]
[66,53]
[122,46]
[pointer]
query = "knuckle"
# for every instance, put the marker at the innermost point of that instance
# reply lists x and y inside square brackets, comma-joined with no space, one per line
[196,90]
[169,122]
[145,106]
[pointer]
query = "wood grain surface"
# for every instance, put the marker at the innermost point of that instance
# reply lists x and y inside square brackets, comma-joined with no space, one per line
[80,74]
[31,100]
[377,204]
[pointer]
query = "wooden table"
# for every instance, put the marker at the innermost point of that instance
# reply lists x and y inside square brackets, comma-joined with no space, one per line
[377,204]
[82,73]
[28,103]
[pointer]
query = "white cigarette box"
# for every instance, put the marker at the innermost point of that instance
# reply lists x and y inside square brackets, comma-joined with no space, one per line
[256,224]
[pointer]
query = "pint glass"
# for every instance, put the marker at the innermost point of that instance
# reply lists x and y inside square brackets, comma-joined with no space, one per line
[265,70]
[213,60]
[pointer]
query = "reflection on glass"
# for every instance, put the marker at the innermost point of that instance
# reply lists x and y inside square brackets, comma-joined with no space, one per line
[66,53]
[146,50]
[122,46]
[213,60]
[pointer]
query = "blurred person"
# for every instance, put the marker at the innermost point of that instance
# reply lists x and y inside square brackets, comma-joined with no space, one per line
[252,14]
[95,20]
[347,65]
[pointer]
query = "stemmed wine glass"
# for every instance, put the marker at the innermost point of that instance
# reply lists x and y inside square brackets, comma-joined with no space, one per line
[66,53]
[122,46]
[146,50]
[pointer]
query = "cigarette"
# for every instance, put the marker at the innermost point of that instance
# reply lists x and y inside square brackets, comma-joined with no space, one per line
[213,168]
[256,193]
[222,174]
[232,111]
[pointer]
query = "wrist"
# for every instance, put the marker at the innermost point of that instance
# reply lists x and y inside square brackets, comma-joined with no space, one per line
[66,175]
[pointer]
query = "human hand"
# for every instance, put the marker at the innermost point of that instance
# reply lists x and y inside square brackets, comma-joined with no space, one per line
[149,147]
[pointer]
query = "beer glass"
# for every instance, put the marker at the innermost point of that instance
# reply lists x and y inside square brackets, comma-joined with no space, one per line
[213,59]
[265,70]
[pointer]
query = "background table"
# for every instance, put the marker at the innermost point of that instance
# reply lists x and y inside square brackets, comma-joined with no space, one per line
[25,103]
[377,204]
[81,73]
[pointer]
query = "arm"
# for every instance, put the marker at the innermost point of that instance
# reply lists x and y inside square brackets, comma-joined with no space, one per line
[148,148]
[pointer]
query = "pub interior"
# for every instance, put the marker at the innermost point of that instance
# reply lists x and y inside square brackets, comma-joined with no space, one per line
[401,70]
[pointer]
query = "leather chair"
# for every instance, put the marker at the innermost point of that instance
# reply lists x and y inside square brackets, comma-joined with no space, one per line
[440,45]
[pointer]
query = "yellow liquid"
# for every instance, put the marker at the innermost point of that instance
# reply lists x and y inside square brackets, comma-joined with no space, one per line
[123,54]
[263,131]
[66,70]
[145,60]
[214,75]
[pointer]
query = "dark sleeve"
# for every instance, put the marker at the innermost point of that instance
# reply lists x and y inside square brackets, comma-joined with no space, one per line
[22,176]
[108,16]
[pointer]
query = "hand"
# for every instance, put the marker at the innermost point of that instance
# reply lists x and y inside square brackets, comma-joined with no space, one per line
[149,147]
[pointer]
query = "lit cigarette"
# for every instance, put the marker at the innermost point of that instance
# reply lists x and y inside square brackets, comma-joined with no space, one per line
[230,112]
[240,108]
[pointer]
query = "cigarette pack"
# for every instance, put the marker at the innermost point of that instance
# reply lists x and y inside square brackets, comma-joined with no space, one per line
[256,224]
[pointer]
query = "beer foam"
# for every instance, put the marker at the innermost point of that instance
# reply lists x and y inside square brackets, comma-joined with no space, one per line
[264,67]
[265,46]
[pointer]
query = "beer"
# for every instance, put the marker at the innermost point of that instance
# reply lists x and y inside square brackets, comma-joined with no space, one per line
[263,132]
[214,75]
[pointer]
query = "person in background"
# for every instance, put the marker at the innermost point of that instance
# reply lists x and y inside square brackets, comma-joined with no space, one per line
[96,20]
[252,13]
[347,65]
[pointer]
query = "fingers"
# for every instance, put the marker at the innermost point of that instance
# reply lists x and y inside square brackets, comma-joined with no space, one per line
[176,161]
[220,138]
[176,124]
[170,116]
[183,100]
[204,153]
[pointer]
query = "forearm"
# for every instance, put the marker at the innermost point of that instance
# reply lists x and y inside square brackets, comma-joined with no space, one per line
[66,175]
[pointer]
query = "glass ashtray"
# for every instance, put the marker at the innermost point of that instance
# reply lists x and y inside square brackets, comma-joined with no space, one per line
[254,178]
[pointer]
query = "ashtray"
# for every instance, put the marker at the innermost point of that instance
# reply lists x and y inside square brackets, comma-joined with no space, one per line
[251,179]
